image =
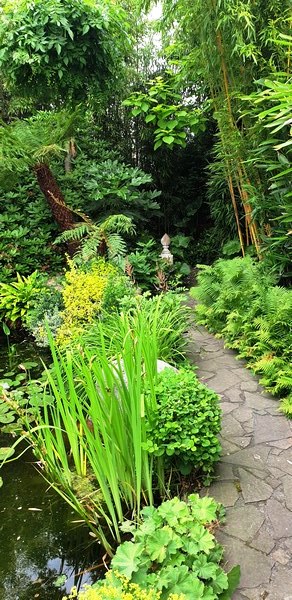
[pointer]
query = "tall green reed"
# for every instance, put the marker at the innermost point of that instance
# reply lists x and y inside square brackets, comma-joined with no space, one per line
[90,440]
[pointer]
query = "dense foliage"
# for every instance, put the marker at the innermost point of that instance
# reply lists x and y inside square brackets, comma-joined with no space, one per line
[58,45]
[239,301]
[175,551]
[184,427]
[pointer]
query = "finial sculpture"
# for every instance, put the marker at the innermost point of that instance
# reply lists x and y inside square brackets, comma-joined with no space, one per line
[166,254]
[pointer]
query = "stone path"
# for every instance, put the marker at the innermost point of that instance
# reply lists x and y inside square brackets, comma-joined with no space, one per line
[255,473]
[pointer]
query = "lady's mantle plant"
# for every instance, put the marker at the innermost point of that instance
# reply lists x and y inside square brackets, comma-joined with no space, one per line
[174,551]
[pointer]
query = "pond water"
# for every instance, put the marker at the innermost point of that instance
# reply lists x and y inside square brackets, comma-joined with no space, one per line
[43,553]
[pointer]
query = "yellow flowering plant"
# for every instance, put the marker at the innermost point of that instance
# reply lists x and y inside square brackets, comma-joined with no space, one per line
[83,296]
[117,587]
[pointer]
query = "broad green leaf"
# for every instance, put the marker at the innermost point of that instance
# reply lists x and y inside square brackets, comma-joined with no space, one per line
[168,139]
[6,452]
[233,580]
[156,544]
[204,509]
[126,559]
[150,118]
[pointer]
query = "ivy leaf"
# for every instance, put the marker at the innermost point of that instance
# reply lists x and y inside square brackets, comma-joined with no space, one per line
[127,558]
[136,112]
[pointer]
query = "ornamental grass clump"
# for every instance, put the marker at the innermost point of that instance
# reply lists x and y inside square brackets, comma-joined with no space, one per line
[90,436]
[164,317]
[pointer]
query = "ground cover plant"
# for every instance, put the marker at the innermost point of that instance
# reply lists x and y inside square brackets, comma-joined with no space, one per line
[184,427]
[240,302]
[173,555]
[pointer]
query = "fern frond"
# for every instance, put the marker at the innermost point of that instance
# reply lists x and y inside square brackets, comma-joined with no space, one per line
[73,235]
[117,223]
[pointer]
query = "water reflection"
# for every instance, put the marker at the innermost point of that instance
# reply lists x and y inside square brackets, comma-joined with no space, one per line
[39,541]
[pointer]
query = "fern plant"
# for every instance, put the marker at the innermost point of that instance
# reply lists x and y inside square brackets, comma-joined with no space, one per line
[103,238]
[238,301]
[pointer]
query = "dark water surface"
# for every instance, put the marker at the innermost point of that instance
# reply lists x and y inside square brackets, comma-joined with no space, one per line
[39,541]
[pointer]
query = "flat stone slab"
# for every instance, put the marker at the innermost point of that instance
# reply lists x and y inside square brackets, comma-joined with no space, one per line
[280,587]
[243,414]
[258,401]
[287,484]
[224,492]
[253,488]
[283,462]
[223,380]
[263,541]
[282,444]
[243,522]
[281,519]
[254,565]
[242,442]
[255,457]
[234,395]
[231,426]
[268,428]
[249,386]
[223,472]
[228,407]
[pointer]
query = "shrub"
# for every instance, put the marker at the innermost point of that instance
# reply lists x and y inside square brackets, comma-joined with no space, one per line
[27,230]
[83,295]
[45,310]
[239,302]
[16,297]
[174,551]
[184,427]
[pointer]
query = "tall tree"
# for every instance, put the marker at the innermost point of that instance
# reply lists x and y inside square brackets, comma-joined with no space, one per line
[56,53]
[225,45]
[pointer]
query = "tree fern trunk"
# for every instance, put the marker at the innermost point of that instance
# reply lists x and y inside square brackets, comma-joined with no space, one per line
[61,213]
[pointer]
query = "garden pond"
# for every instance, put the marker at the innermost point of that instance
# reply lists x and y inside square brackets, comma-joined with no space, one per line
[43,550]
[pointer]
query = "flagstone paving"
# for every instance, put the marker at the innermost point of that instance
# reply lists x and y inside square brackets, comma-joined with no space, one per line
[254,476]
